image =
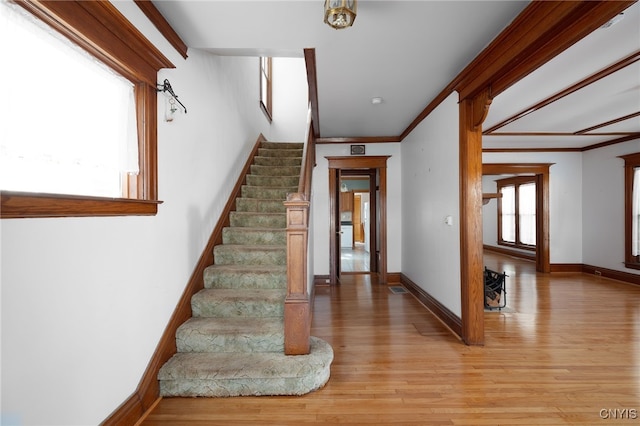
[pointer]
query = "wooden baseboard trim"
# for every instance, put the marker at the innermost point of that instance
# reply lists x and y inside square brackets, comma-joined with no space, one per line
[566,267]
[148,391]
[451,320]
[509,252]
[626,277]
[394,278]
[320,280]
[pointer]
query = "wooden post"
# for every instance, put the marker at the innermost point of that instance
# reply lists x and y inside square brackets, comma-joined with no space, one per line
[472,114]
[297,310]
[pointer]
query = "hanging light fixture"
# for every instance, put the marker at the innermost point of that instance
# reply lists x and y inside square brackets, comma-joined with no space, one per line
[340,14]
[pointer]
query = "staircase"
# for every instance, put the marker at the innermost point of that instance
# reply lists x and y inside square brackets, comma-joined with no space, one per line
[234,343]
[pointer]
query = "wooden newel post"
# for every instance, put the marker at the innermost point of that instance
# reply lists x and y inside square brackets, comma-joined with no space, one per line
[297,312]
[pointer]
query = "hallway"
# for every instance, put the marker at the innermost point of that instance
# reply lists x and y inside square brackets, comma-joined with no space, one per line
[568,353]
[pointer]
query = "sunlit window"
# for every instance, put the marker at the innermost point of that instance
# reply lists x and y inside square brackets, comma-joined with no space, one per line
[68,122]
[517,212]
[266,86]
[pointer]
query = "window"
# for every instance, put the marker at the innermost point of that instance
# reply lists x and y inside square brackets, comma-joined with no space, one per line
[265,86]
[85,141]
[133,63]
[517,212]
[632,210]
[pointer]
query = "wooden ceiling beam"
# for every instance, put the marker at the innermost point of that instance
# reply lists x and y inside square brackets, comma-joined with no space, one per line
[541,32]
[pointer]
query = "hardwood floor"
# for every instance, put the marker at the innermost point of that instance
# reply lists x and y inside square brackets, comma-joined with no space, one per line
[569,353]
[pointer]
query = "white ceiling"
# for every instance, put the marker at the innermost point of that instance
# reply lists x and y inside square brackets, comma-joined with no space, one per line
[407,51]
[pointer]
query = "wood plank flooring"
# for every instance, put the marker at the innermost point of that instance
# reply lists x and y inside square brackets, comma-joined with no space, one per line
[568,353]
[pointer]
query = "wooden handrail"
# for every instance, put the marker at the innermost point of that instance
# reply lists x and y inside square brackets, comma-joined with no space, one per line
[297,307]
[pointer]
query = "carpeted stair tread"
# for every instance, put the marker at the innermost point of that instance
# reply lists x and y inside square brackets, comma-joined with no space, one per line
[257,220]
[272,192]
[277,181]
[257,303]
[282,145]
[229,254]
[258,205]
[254,236]
[258,170]
[239,334]
[231,374]
[245,276]
[277,161]
[268,152]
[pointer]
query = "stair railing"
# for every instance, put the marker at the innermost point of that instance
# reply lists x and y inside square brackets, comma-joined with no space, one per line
[297,306]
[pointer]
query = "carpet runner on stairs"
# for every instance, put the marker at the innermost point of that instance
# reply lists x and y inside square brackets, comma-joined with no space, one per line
[234,343]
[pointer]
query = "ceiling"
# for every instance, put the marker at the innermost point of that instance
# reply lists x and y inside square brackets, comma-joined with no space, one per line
[407,52]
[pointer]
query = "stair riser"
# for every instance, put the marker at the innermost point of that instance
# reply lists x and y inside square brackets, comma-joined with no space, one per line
[265,152]
[260,180]
[277,161]
[237,308]
[249,236]
[258,220]
[275,171]
[237,255]
[259,206]
[267,193]
[214,278]
[242,386]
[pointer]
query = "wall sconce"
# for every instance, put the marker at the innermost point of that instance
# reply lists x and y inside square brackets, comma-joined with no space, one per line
[171,99]
[340,14]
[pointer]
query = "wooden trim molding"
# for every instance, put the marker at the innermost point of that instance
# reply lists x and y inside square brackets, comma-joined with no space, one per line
[312,82]
[631,162]
[336,164]
[357,140]
[148,389]
[29,205]
[566,267]
[451,320]
[612,274]
[163,26]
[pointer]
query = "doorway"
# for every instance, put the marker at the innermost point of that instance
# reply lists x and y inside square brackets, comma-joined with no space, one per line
[358,226]
[371,169]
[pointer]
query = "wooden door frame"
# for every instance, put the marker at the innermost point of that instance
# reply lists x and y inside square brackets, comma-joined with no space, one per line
[357,162]
[541,173]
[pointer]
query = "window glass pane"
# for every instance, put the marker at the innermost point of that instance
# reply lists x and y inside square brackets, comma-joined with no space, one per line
[527,213]
[69,122]
[635,213]
[508,203]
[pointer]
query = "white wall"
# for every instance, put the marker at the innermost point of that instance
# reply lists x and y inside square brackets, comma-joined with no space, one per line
[85,300]
[565,201]
[320,203]
[603,206]
[430,185]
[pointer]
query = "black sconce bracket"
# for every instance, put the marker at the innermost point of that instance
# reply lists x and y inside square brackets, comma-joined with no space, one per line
[166,87]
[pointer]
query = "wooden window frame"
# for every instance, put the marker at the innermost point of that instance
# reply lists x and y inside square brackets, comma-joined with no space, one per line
[266,77]
[100,29]
[516,182]
[631,161]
